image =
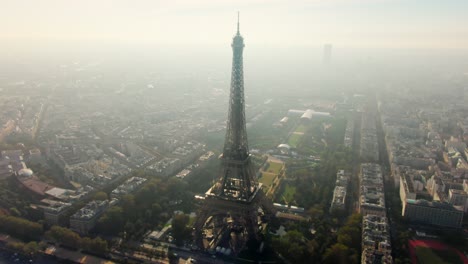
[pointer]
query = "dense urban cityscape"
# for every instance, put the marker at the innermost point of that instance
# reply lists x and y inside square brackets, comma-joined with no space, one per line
[125,160]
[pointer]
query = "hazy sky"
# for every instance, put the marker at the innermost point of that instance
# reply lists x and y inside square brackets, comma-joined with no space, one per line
[348,23]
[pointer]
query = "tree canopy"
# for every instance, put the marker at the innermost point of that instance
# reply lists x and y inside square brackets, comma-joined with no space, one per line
[20,228]
[71,239]
[180,230]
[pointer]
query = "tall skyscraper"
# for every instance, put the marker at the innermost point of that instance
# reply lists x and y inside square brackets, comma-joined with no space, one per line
[327,53]
[229,215]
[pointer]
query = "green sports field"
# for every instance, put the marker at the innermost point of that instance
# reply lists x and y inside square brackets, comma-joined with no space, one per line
[274,167]
[294,140]
[267,178]
[426,255]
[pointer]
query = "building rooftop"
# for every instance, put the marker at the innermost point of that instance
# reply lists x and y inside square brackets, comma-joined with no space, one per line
[60,193]
[57,207]
[375,239]
[92,209]
[339,195]
[433,204]
[128,186]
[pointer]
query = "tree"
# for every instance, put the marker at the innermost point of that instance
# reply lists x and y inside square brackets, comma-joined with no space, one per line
[128,205]
[176,188]
[16,246]
[337,254]
[156,209]
[293,246]
[98,246]
[180,231]
[347,249]
[316,212]
[20,228]
[129,228]
[28,249]
[64,236]
[111,223]
[312,248]
[86,243]
[350,234]
[100,196]
[31,248]
[15,211]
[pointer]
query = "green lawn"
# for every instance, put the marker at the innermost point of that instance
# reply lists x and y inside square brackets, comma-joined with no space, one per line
[427,255]
[274,167]
[288,194]
[301,128]
[191,221]
[267,178]
[294,140]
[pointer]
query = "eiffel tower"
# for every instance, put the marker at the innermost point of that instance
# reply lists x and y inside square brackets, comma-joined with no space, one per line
[229,216]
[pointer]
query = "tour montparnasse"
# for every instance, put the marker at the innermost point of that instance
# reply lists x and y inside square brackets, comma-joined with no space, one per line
[235,206]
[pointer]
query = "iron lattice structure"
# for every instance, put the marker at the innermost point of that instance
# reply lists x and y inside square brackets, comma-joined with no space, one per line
[238,175]
[229,215]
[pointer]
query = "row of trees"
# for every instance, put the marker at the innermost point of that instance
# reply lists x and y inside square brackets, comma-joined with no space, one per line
[315,184]
[180,229]
[293,246]
[300,246]
[27,249]
[314,187]
[71,239]
[31,232]
[13,197]
[347,249]
[20,228]
[145,209]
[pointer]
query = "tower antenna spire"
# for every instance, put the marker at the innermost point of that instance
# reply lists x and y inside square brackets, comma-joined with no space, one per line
[238,23]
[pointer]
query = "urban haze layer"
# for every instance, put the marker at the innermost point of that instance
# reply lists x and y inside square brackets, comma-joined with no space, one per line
[339,158]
